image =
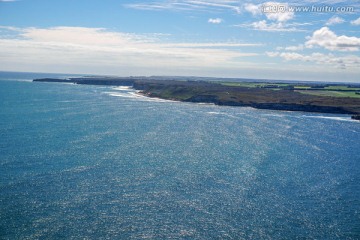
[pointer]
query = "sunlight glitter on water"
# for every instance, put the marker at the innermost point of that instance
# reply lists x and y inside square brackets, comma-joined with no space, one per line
[92,165]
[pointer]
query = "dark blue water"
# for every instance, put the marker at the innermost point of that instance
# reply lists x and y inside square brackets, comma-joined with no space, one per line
[90,162]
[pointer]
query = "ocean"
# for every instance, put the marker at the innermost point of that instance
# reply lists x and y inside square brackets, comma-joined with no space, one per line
[101,162]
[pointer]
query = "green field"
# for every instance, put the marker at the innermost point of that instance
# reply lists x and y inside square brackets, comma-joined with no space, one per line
[310,89]
[341,88]
[301,87]
[331,93]
[252,84]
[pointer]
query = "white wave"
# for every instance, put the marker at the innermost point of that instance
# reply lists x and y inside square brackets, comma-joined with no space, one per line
[138,95]
[135,95]
[125,95]
[200,103]
[346,119]
[224,114]
[151,99]
[122,88]
[274,115]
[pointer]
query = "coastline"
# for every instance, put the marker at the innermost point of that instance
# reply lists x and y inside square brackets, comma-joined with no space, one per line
[217,94]
[269,106]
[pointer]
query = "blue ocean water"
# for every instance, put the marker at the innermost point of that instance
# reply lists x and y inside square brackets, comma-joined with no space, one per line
[93,162]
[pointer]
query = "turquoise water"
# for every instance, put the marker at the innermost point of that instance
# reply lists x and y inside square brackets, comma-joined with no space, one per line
[92,162]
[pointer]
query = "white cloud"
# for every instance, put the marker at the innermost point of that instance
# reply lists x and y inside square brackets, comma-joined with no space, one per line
[298,47]
[211,45]
[276,20]
[186,5]
[356,22]
[295,48]
[252,8]
[335,20]
[293,56]
[342,62]
[272,54]
[217,4]
[278,16]
[263,25]
[97,50]
[327,39]
[215,20]
[260,24]
[79,35]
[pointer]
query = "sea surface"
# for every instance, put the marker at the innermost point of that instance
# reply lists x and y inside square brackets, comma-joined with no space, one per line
[95,162]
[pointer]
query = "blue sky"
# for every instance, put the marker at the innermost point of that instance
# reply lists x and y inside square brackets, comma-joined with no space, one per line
[319,40]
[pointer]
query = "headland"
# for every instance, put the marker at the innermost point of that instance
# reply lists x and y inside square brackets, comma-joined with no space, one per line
[288,96]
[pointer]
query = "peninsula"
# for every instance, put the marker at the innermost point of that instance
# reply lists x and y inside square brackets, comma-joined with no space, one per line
[281,95]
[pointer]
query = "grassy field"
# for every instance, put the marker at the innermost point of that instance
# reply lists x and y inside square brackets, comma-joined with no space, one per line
[341,88]
[331,93]
[251,84]
[328,91]
[301,87]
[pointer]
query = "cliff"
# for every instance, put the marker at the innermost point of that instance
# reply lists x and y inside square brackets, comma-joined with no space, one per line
[211,92]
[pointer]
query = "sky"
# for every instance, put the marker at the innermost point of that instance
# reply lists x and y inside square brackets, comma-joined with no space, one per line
[311,40]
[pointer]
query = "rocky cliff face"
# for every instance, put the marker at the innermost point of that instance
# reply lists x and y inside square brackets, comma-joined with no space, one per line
[355,117]
[273,106]
[206,92]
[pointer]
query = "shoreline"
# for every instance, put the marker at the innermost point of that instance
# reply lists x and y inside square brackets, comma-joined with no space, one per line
[265,106]
[220,95]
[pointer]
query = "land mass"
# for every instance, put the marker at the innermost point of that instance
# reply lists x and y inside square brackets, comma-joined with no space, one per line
[307,97]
